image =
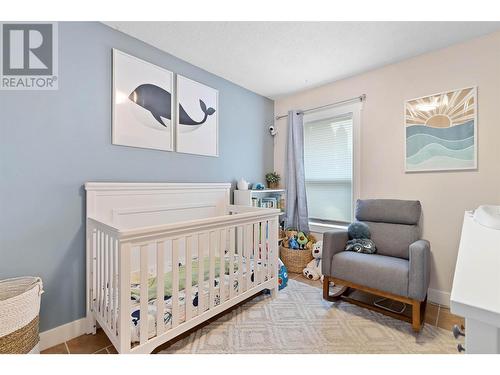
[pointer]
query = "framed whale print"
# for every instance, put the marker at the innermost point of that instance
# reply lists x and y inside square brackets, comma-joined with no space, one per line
[441,131]
[197,118]
[142,103]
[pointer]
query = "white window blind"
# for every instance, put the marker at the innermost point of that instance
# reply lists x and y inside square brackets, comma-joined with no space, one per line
[328,168]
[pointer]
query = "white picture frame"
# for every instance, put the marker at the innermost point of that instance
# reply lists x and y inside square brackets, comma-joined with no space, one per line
[197,119]
[143,101]
[458,152]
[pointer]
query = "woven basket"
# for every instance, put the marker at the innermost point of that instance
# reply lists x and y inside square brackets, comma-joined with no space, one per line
[19,309]
[295,260]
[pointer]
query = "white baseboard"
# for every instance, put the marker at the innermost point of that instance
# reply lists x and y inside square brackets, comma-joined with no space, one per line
[439,297]
[63,333]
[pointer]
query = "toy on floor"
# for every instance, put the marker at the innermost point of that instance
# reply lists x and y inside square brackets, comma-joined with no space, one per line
[313,268]
[282,275]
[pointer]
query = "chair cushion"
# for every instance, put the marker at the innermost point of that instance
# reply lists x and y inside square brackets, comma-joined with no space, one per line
[388,211]
[393,239]
[380,272]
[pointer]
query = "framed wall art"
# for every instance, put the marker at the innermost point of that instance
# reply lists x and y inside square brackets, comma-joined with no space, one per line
[441,131]
[142,103]
[197,118]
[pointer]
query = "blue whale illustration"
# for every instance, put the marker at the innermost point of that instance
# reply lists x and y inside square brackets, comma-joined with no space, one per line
[157,101]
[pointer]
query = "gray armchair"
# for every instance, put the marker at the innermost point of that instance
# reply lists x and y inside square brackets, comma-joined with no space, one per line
[399,270]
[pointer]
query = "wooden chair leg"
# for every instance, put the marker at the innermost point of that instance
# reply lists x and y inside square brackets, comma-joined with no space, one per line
[326,288]
[415,316]
[326,291]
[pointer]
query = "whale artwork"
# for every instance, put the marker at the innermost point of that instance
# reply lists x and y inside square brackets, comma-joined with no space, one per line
[184,118]
[153,99]
[142,104]
[197,118]
[158,102]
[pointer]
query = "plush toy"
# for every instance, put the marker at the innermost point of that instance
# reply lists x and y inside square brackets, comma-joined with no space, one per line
[313,268]
[289,234]
[282,275]
[311,242]
[302,240]
[357,230]
[293,244]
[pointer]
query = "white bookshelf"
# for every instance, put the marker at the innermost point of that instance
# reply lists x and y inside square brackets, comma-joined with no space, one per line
[244,197]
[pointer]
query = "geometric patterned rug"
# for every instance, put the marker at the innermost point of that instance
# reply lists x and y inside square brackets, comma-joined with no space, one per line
[300,321]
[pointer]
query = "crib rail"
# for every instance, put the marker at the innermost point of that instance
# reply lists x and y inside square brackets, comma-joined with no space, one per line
[173,277]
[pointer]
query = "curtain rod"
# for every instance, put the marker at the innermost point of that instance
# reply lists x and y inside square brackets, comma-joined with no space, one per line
[360,98]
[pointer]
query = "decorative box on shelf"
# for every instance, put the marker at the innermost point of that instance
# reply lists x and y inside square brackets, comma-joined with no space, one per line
[267,198]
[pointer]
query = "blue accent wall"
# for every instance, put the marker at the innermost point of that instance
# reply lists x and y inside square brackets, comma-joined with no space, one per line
[52,142]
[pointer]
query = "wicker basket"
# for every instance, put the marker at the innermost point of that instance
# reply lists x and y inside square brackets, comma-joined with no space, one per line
[295,260]
[19,309]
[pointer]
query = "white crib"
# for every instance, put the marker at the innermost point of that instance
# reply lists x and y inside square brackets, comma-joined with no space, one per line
[176,253]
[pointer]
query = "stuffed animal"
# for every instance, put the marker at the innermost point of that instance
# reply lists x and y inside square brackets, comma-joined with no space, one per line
[311,242]
[293,244]
[282,275]
[358,230]
[302,240]
[313,268]
[289,234]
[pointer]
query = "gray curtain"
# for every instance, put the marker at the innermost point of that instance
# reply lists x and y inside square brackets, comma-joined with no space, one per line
[296,202]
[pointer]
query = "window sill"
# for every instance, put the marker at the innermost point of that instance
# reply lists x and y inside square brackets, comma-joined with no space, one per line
[323,227]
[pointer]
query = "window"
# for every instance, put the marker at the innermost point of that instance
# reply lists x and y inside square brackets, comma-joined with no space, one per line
[328,162]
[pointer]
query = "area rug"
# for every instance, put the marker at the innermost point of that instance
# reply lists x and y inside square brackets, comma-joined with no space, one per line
[300,321]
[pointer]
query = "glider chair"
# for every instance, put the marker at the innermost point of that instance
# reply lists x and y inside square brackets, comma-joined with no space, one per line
[400,268]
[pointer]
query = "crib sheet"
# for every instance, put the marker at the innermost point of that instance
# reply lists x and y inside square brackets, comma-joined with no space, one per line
[195,299]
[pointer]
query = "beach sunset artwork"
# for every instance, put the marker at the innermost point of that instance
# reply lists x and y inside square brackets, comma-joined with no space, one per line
[441,131]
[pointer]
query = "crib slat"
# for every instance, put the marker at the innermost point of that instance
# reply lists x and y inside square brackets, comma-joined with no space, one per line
[256,252]
[222,267]
[144,316]
[240,259]
[175,283]
[267,246]
[248,255]
[124,297]
[160,287]
[201,273]
[115,286]
[273,244]
[189,280]
[104,274]
[101,274]
[211,275]
[232,240]
[97,289]
[108,279]
[93,268]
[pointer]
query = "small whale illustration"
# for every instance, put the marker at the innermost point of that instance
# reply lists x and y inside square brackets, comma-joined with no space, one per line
[154,99]
[185,119]
[157,101]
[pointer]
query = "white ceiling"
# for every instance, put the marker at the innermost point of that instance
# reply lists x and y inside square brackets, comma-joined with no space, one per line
[276,59]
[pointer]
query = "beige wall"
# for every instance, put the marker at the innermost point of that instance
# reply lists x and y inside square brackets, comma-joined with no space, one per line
[444,195]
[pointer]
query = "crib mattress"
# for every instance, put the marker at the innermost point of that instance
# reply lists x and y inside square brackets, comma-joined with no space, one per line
[219,294]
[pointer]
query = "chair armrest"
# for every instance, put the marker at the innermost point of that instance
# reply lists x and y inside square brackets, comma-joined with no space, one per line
[333,242]
[420,269]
